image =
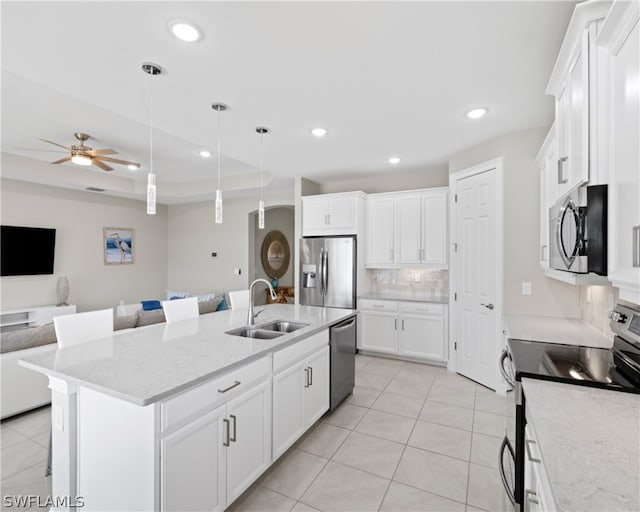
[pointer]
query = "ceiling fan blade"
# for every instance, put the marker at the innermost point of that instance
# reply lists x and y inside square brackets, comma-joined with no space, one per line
[62,160]
[100,152]
[102,166]
[116,161]
[56,144]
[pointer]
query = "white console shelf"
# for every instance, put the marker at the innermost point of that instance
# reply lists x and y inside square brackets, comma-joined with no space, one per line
[32,316]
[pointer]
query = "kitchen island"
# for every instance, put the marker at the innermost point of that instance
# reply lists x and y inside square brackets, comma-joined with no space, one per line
[182,416]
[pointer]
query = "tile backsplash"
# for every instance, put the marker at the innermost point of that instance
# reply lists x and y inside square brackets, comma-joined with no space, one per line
[407,280]
[595,304]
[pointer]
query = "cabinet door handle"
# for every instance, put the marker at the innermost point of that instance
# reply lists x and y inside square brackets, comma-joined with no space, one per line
[403,324]
[233,437]
[561,166]
[310,375]
[226,422]
[306,377]
[636,246]
[395,324]
[531,496]
[378,305]
[543,253]
[234,385]
[528,444]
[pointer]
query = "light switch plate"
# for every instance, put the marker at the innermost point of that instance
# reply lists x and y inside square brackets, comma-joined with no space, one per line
[526,288]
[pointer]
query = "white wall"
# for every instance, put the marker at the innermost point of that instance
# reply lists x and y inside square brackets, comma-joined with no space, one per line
[78,218]
[522,225]
[392,181]
[193,235]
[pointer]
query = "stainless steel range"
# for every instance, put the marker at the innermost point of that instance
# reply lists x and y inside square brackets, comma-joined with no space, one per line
[617,368]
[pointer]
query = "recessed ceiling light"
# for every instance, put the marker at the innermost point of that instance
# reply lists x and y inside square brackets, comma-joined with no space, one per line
[185,31]
[205,154]
[133,167]
[476,113]
[319,132]
[394,160]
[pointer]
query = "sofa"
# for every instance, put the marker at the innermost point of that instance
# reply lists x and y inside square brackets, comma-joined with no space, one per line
[24,389]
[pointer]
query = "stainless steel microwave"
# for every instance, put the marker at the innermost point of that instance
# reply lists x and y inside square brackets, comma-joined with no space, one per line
[578,231]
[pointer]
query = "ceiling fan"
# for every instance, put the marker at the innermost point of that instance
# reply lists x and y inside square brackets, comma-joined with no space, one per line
[84,155]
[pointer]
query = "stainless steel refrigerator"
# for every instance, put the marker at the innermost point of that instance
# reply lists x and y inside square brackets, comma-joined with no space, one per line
[328,272]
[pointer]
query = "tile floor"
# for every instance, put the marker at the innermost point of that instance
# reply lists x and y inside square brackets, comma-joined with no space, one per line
[412,437]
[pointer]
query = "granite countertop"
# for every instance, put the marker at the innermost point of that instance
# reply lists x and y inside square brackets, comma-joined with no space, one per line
[405,296]
[588,441]
[570,331]
[148,364]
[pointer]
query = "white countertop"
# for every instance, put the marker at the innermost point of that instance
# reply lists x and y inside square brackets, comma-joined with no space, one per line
[570,331]
[151,363]
[405,296]
[589,440]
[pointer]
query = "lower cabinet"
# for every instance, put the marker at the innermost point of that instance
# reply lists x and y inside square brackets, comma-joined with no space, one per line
[412,329]
[208,463]
[538,496]
[300,398]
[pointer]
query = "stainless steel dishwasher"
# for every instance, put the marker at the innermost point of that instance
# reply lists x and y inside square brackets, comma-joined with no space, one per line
[342,340]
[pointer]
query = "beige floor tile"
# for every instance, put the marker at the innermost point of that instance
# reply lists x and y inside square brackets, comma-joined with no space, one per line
[42,439]
[262,499]
[435,473]
[360,364]
[458,397]
[387,368]
[31,481]
[324,440]
[343,488]
[402,498]
[450,380]
[441,439]
[485,489]
[371,454]
[408,387]
[10,436]
[363,397]
[387,426]
[20,456]
[445,414]
[398,404]
[301,507]
[474,509]
[489,401]
[484,450]
[492,424]
[32,423]
[294,473]
[346,416]
[372,380]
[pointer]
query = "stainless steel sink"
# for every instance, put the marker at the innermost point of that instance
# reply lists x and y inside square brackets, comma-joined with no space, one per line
[252,332]
[282,326]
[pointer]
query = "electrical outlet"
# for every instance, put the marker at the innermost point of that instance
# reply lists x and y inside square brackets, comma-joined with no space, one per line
[526,288]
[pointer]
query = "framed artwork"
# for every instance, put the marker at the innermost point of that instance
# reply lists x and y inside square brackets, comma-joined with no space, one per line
[118,246]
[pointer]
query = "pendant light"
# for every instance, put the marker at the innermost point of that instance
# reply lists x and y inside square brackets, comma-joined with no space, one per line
[219,107]
[261,130]
[151,69]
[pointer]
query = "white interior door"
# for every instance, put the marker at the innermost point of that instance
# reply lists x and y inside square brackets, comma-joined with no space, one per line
[476,308]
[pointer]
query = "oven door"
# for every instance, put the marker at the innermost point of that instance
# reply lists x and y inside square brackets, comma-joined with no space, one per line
[507,455]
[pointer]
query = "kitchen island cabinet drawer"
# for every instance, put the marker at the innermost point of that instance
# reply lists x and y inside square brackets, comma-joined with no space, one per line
[195,402]
[378,305]
[297,352]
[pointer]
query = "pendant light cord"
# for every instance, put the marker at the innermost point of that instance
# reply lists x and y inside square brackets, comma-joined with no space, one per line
[261,167]
[151,123]
[219,156]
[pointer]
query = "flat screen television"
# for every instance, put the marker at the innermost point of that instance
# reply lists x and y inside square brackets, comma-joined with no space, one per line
[26,251]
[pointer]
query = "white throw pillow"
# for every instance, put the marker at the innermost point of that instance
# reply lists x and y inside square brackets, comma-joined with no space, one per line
[208,296]
[176,295]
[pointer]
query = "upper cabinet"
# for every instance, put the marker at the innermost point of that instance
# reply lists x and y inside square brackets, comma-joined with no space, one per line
[407,229]
[548,184]
[620,38]
[578,83]
[333,214]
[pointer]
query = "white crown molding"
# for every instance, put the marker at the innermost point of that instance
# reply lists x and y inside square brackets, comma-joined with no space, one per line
[622,17]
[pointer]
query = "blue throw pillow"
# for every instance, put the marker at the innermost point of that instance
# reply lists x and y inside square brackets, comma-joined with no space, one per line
[223,304]
[150,305]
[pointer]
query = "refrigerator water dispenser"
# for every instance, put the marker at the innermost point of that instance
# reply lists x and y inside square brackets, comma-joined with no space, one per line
[309,276]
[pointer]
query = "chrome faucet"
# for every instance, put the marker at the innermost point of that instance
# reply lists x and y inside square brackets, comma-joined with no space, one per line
[250,315]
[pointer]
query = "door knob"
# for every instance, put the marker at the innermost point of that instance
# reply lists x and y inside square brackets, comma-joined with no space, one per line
[488,306]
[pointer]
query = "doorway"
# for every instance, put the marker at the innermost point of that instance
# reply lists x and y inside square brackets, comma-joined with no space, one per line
[476,273]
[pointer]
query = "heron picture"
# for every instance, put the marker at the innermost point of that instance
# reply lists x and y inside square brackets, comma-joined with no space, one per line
[118,246]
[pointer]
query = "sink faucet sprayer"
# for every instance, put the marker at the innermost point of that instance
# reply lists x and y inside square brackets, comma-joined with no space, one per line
[250,316]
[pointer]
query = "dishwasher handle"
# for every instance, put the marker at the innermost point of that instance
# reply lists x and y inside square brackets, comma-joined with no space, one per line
[343,326]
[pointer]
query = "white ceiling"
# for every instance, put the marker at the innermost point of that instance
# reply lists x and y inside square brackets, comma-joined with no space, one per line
[384,78]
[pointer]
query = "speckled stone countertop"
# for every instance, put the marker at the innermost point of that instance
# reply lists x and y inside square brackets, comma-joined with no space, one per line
[589,440]
[570,331]
[404,296]
[151,363]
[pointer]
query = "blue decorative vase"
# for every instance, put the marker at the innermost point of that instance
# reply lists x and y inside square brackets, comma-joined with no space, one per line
[275,283]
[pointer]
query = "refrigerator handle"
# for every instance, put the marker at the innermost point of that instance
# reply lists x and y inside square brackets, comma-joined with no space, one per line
[321,272]
[325,272]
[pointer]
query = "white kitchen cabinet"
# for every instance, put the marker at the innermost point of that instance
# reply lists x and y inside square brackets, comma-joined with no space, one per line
[193,465]
[380,240]
[300,398]
[548,185]
[333,214]
[620,36]
[414,330]
[407,229]
[538,496]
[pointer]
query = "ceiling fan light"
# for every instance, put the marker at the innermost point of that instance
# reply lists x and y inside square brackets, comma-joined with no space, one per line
[81,159]
[133,167]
